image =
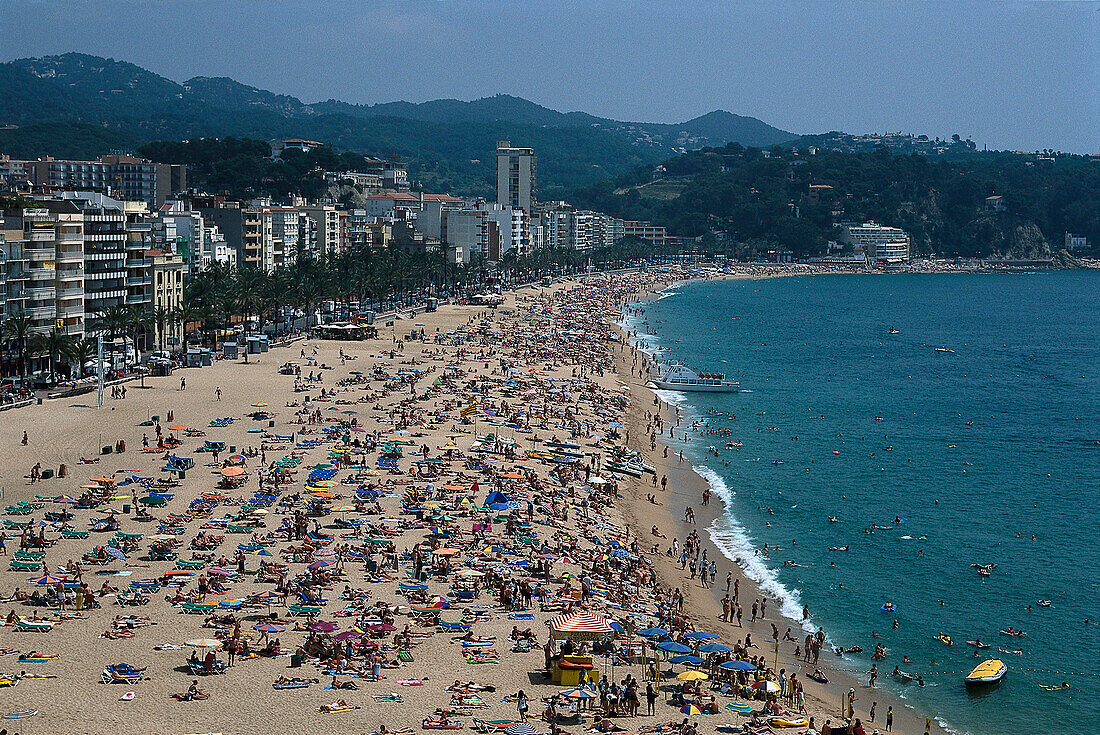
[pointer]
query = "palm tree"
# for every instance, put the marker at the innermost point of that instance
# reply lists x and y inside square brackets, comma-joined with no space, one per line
[113,321]
[19,330]
[248,299]
[162,318]
[54,344]
[186,313]
[81,352]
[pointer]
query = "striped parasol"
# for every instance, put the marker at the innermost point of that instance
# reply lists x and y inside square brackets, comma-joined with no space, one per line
[581,625]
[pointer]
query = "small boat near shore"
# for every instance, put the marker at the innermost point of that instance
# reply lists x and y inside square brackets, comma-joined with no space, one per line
[681,378]
[944,349]
[987,672]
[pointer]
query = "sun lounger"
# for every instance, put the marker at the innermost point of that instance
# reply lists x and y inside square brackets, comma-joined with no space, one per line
[38,626]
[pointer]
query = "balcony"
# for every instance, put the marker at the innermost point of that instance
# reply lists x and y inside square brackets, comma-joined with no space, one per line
[40,235]
[139,281]
[40,294]
[104,275]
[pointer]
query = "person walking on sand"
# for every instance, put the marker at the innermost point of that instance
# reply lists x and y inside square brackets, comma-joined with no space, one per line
[218,392]
[874,675]
[871,714]
[521,705]
[183,383]
[889,718]
[25,438]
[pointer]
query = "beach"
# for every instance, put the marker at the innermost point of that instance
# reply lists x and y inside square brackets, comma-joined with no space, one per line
[547,366]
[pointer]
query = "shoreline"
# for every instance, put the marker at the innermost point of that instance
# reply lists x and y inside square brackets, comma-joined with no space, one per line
[686,485]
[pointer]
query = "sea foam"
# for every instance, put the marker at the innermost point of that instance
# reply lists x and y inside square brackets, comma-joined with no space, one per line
[735,543]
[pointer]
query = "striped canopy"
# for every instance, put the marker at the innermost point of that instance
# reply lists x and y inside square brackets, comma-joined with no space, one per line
[581,625]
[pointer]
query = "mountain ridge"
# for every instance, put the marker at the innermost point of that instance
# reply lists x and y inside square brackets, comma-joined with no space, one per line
[447,138]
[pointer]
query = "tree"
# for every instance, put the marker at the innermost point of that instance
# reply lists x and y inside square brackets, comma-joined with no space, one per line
[54,344]
[18,330]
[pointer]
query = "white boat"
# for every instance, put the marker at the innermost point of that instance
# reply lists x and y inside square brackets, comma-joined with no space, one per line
[682,378]
[987,672]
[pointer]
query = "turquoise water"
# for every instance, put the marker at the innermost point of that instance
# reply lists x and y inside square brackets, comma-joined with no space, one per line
[976,450]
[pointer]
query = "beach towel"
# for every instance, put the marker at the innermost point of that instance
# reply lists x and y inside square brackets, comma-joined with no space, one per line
[21,714]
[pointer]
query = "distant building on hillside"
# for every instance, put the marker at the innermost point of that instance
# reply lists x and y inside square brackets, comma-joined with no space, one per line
[996,202]
[882,244]
[1076,242]
[117,175]
[517,170]
[300,144]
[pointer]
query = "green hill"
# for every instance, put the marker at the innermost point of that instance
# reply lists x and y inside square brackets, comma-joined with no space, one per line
[745,200]
[447,144]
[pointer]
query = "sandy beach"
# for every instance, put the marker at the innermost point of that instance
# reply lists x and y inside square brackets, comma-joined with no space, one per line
[543,368]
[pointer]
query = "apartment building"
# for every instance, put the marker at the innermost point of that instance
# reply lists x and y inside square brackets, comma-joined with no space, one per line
[42,266]
[882,244]
[325,220]
[166,271]
[517,174]
[118,175]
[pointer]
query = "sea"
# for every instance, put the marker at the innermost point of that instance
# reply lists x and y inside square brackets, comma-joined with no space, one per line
[878,470]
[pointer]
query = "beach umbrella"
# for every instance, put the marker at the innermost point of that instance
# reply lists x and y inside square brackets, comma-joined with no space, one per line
[115,553]
[445,552]
[652,632]
[268,628]
[347,635]
[691,675]
[686,658]
[715,648]
[700,635]
[319,564]
[471,573]
[46,579]
[673,647]
[739,708]
[767,686]
[520,728]
[737,666]
[691,709]
[204,643]
[177,428]
[579,693]
[324,626]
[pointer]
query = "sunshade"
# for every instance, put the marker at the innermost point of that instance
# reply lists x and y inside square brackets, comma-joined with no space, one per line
[737,666]
[691,675]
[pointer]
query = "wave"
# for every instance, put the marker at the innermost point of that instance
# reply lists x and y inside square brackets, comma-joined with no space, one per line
[666,294]
[671,397]
[735,543]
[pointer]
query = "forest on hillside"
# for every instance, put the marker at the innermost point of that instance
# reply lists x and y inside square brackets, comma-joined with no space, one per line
[756,200]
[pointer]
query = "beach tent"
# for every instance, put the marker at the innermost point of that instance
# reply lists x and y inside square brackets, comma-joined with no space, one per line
[581,625]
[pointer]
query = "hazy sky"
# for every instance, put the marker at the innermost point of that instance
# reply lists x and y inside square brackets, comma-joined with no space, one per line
[1008,74]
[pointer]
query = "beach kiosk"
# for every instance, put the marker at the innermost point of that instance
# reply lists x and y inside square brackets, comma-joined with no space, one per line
[199,357]
[581,625]
[229,350]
